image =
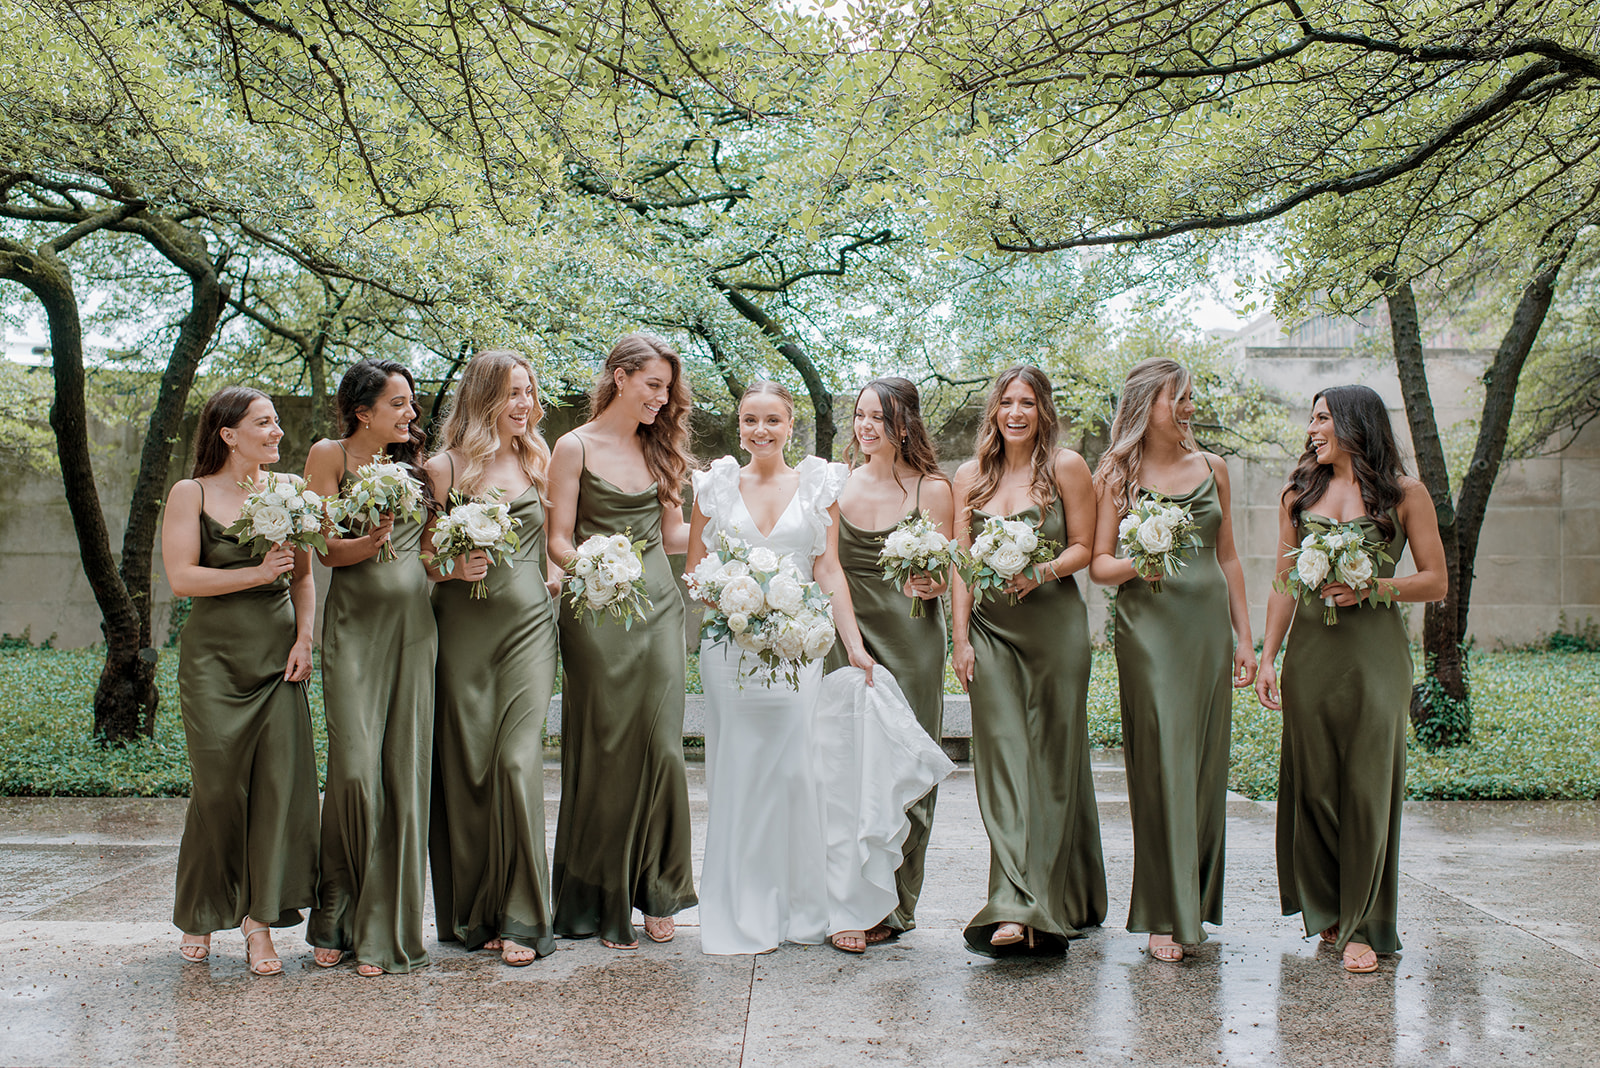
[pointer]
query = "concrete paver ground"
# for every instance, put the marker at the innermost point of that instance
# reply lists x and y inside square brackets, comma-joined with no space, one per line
[1498,916]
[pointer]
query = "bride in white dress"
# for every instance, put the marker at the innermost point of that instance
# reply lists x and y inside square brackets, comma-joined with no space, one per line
[804,831]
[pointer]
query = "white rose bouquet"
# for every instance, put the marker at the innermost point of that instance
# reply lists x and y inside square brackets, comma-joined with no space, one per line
[915,547]
[606,576]
[1003,549]
[1154,535]
[476,523]
[283,512]
[761,605]
[1340,553]
[379,489]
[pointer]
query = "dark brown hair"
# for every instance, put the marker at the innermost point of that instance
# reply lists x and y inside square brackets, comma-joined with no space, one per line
[902,422]
[224,408]
[361,387]
[665,442]
[1361,426]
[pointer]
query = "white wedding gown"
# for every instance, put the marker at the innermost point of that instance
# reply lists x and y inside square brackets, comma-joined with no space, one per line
[807,795]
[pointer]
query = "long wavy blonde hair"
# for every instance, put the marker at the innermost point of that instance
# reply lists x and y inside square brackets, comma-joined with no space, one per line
[991,454]
[470,426]
[665,442]
[1118,470]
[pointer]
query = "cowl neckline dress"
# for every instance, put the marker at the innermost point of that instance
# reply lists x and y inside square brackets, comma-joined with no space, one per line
[1342,776]
[1030,759]
[623,834]
[249,845]
[1174,654]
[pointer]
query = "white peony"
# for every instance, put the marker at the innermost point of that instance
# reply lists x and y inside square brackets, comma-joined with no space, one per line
[273,499]
[1312,567]
[1027,541]
[311,498]
[741,594]
[790,640]
[901,543]
[597,596]
[273,522]
[308,522]
[1129,524]
[785,594]
[1015,528]
[708,569]
[1355,570]
[583,566]
[631,568]
[1008,560]
[982,546]
[608,574]
[618,544]
[1155,535]
[735,569]
[819,639]
[738,623]
[750,641]
[482,528]
[763,559]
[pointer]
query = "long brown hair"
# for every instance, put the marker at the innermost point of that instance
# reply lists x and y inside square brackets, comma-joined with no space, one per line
[902,423]
[1118,470]
[665,442]
[226,407]
[470,426]
[991,453]
[1361,426]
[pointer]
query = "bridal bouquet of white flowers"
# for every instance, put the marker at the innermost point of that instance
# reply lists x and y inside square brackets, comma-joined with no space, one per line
[283,512]
[475,523]
[1154,535]
[379,489]
[916,547]
[1338,553]
[606,575]
[1003,549]
[760,604]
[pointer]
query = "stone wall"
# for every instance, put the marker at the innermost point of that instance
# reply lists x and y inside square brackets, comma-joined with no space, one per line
[1540,553]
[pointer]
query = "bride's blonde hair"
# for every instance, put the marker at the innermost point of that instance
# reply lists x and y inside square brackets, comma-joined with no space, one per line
[470,426]
[1118,470]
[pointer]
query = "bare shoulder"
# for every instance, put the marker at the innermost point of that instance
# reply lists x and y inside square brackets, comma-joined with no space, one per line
[184,496]
[966,474]
[1416,493]
[939,491]
[1070,464]
[1218,465]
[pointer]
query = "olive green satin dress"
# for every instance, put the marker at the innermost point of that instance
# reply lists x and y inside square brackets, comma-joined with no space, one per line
[1174,662]
[1342,777]
[623,837]
[497,669]
[378,651]
[913,650]
[249,843]
[1030,760]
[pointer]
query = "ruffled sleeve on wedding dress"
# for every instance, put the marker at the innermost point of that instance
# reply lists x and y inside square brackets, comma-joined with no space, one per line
[821,482]
[716,493]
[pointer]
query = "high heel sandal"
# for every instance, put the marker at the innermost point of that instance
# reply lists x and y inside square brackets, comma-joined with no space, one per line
[1009,934]
[841,940]
[660,928]
[195,952]
[266,965]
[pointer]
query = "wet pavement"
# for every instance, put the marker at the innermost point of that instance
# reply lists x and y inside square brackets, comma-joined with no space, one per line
[1501,966]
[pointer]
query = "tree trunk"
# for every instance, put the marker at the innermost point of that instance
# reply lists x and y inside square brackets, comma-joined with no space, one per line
[1499,402]
[317,368]
[1441,707]
[791,350]
[1442,632]
[127,680]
